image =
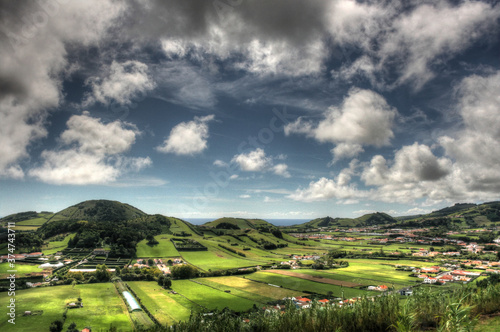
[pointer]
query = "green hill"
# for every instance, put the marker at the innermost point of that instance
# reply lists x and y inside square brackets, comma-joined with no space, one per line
[365,220]
[240,223]
[99,210]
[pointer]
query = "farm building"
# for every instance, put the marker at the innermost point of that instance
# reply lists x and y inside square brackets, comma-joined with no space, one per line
[132,303]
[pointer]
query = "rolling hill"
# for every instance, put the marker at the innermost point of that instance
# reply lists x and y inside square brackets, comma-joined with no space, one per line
[238,223]
[100,210]
[376,218]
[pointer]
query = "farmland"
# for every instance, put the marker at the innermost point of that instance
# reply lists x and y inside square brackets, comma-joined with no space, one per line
[22,269]
[307,286]
[165,248]
[102,307]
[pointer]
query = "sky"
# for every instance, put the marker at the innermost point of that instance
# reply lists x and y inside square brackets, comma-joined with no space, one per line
[256,109]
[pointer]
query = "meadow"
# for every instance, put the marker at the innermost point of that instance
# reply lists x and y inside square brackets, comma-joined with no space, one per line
[102,307]
[22,269]
[307,286]
[166,308]
[210,298]
[165,248]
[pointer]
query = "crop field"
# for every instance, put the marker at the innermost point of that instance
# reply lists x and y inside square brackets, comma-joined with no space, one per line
[217,259]
[22,269]
[32,222]
[315,278]
[254,290]
[102,306]
[165,248]
[372,273]
[167,308]
[307,286]
[210,298]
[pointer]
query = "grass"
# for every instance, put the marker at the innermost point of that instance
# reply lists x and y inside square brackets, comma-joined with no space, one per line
[217,259]
[165,248]
[160,303]
[55,246]
[102,307]
[307,285]
[22,269]
[264,292]
[49,299]
[32,222]
[210,298]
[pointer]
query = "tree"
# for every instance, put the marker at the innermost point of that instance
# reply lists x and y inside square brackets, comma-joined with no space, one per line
[72,328]
[56,326]
[169,262]
[167,283]
[184,272]
[102,273]
[151,262]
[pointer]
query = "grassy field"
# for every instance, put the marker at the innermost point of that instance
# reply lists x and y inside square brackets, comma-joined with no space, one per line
[303,285]
[165,248]
[253,290]
[22,269]
[217,259]
[368,272]
[55,246]
[102,306]
[160,303]
[210,298]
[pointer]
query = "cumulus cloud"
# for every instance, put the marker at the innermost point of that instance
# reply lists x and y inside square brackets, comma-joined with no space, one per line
[254,161]
[364,118]
[325,189]
[339,188]
[124,82]
[33,47]
[187,138]
[91,153]
[258,161]
[281,170]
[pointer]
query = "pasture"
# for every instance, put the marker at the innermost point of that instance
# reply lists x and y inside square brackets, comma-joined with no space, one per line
[165,248]
[167,308]
[102,306]
[21,268]
[307,286]
[210,298]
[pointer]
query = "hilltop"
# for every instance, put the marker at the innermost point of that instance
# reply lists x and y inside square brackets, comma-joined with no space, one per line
[371,219]
[238,223]
[100,210]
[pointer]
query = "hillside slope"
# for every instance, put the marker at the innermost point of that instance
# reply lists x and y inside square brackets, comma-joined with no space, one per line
[240,223]
[100,210]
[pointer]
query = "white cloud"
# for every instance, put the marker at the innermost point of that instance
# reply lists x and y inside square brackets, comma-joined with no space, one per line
[345,150]
[93,153]
[364,118]
[245,196]
[233,177]
[325,189]
[407,42]
[188,138]
[254,161]
[34,57]
[281,170]
[124,82]
[220,163]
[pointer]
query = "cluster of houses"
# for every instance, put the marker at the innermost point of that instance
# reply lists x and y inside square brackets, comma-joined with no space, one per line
[141,263]
[380,288]
[444,277]
[295,259]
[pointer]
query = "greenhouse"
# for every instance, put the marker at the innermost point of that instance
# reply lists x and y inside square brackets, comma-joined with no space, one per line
[131,301]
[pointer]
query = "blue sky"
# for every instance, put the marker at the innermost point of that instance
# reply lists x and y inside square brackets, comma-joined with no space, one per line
[283,109]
